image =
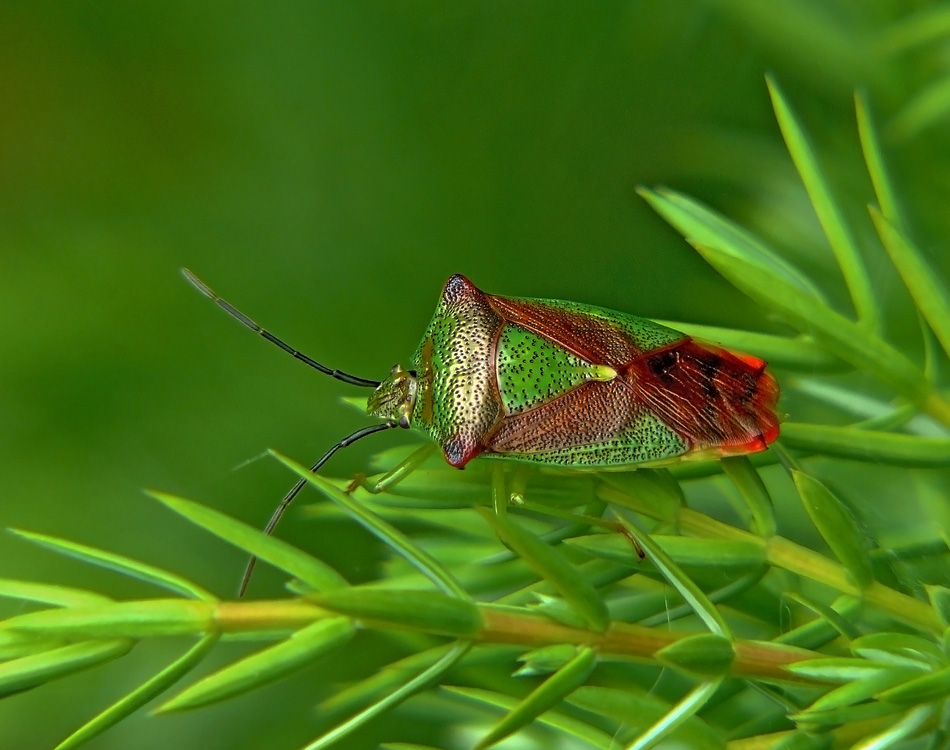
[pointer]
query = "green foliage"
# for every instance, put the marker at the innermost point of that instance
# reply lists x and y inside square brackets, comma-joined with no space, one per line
[742,633]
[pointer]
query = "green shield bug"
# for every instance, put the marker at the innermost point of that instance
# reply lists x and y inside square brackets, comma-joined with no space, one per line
[558,383]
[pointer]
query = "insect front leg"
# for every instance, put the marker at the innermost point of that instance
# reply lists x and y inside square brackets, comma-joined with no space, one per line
[391,478]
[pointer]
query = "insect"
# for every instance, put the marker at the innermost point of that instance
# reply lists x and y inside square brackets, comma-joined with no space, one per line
[559,384]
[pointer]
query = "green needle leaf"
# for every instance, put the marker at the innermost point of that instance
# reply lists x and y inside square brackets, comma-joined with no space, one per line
[43,593]
[653,488]
[838,668]
[267,665]
[929,107]
[575,730]
[848,340]
[921,280]
[137,619]
[800,354]
[548,694]
[752,489]
[14,645]
[899,648]
[837,526]
[681,712]
[837,619]
[639,708]
[923,689]
[704,655]
[940,599]
[733,555]
[874,158]
[823,721]
[118,563]
[906,727]
[782,290]
[416,556]
[420,681]
[868,445]
[875,413]
[830,215]
[700,225]
[387,679]
[860,689]
[278,553]
[690,592]
[36,669]
[575,588]
[141,695]
[431,611]
[546,660]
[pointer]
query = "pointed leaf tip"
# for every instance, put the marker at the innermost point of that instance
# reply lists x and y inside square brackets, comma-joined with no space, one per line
[706,655]
[550,563]
[312,571]
[141,695]
[702,227]
[837,525]
[425,610]
[117,563]
[687,588]
[397,540]
[267,665]
[925,286]
[830,216]
[548,694]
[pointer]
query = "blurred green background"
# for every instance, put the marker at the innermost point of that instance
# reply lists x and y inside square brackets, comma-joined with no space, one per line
[325,167]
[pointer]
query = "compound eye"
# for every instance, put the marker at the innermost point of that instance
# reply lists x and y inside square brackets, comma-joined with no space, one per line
[404,422]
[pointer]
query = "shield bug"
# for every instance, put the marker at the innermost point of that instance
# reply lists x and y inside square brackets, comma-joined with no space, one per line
[559,383]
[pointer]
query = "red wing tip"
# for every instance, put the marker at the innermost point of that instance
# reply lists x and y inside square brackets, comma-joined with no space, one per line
[757,444]
[758,365]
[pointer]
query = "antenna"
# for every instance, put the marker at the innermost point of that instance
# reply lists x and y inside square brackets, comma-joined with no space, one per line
[288,498]
[231,310]
[242,318]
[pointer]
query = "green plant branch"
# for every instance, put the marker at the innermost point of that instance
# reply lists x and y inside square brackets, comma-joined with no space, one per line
[498,625]
[793,557]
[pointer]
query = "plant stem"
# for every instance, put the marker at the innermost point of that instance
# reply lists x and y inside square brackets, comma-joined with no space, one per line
[531,630]
[785,554]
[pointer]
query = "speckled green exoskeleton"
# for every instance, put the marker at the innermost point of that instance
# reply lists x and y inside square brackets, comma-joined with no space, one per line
[561,384]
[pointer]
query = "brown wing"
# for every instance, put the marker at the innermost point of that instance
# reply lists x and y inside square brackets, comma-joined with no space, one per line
[594,334]
[592,413]
[709,396]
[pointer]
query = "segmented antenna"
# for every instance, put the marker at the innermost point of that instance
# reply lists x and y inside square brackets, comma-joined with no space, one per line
[345,377]
[288,498]
[242,318]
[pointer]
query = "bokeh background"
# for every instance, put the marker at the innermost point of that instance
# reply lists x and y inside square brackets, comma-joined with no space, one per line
[326,166]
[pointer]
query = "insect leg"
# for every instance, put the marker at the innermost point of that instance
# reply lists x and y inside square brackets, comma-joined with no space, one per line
[289,497]
[395,475]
